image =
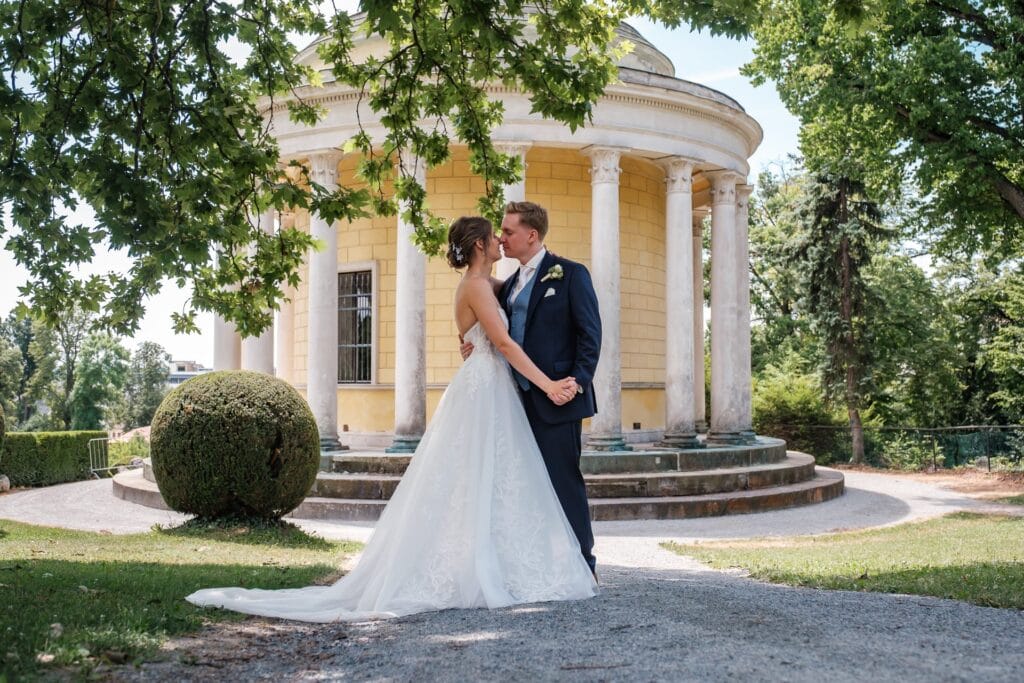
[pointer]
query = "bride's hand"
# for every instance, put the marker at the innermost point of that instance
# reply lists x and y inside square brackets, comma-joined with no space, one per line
[562,391]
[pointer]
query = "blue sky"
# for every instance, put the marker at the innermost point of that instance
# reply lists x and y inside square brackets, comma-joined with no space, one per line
[697,56]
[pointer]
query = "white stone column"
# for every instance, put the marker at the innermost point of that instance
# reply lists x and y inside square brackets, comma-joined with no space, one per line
[513,193]
[227,345]
[322,361]
[606,425]
[410,330]
[680,429]
[284,339]
[700,409]
[726,391]
[742,361]
[258,352]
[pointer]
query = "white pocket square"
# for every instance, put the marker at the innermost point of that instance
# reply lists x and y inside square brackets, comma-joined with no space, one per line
[550,292]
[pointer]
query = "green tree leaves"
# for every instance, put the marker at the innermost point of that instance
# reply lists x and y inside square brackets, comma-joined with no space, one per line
[923,90]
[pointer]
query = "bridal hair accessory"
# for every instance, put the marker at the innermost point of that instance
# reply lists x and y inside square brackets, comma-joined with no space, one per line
[554,273]
[458,252]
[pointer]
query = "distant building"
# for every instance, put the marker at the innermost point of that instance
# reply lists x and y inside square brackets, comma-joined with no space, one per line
[181,370]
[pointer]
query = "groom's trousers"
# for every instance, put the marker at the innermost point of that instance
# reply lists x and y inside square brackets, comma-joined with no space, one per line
[561,446]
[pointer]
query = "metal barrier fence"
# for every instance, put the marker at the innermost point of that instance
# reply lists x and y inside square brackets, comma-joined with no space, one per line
[910,447]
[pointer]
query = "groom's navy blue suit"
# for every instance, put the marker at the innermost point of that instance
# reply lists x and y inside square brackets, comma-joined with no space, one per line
[562,336]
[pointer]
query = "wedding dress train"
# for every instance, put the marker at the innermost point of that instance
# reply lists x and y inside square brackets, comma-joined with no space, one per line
[474,522]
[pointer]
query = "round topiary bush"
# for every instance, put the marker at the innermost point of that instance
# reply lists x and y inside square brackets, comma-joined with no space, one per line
[234,443]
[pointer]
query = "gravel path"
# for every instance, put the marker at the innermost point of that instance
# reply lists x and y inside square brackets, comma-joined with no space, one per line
[659,616]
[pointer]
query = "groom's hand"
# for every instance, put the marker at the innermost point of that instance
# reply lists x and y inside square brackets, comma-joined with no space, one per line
[465,348]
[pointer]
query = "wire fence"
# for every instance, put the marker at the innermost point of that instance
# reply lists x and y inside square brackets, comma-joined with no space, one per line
[988,446]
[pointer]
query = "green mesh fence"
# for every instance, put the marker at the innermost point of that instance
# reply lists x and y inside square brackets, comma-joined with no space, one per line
[910,447]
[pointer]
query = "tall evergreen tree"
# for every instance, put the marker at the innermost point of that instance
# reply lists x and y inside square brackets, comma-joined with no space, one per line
[842,225]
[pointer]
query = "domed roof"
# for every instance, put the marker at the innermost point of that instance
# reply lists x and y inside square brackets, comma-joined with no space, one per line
[643,57]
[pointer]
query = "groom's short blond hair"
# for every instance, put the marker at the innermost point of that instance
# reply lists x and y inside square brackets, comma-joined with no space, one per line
[531,215]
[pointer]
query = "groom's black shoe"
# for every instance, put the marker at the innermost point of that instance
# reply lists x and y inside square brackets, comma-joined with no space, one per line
[596,580]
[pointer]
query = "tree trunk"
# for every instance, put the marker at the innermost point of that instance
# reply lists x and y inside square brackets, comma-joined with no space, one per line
[856,427]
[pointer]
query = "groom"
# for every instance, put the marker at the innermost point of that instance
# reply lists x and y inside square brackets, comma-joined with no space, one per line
[553,315]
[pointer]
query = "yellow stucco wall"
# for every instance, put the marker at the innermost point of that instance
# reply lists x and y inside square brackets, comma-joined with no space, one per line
[558,179]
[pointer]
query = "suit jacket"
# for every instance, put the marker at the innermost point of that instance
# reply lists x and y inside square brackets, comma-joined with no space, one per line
[562,335]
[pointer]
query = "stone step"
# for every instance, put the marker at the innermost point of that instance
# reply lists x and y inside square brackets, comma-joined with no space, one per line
[370,463]
[795,468]
[825,485]
[765,451]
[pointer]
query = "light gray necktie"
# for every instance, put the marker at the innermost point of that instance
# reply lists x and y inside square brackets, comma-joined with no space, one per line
[525,272]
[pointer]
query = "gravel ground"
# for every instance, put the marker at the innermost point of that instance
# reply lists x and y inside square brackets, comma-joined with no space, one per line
[658,617]
[679,624]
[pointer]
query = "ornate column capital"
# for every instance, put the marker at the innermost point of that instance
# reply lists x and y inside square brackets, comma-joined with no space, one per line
[604,164]
[323,167]
[518,149]
[698,219]
[678,174]
[743,193]
[723,186]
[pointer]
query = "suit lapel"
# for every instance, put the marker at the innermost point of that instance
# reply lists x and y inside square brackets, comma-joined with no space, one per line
[537,294]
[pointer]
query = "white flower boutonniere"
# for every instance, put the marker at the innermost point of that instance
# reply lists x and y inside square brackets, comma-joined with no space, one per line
[554,273]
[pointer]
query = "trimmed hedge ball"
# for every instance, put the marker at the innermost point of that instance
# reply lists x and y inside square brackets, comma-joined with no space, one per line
[234,443]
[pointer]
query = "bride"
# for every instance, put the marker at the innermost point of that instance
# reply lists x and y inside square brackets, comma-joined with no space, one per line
[475,521]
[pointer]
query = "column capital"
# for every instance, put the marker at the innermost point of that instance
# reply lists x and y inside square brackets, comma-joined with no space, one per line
[323,167]
[723,186]
[678,174]
[743,193]
[604,164]
[512,148]
[698,219]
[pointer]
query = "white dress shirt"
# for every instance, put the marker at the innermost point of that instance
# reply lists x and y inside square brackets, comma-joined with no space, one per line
[526,271]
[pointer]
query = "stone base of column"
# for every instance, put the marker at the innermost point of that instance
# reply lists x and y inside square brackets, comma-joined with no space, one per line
[731,438]
[606,442]
[701,426]
[331,443]
[403,444]
[680,440]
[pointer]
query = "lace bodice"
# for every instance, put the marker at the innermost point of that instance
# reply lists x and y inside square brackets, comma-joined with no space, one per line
[478,337]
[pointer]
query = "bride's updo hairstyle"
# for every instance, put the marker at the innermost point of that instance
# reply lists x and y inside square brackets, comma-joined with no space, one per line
[463,234]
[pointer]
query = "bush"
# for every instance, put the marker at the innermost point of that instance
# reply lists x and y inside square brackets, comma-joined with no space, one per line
[3,428]
[234,443]
[123,452]
[44,458]
[904,452]
[789,404]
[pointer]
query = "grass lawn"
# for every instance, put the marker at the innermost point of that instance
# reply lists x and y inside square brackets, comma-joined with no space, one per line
[1012,500]
[977,558]
[73,598]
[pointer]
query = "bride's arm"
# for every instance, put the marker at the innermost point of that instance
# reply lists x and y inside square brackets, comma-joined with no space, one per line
[485,307]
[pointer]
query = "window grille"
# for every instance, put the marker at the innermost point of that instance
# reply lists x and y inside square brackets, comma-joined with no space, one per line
[355,327]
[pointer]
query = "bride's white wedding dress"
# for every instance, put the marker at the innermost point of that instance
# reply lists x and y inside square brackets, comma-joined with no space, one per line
[474,522]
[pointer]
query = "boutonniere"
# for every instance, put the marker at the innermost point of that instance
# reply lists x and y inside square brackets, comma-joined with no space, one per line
[554,273]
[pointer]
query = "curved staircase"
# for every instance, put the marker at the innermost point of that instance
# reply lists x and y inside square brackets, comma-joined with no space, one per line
[645,484]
